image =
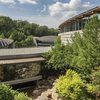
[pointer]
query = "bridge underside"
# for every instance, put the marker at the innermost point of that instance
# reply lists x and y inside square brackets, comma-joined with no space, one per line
[22,56]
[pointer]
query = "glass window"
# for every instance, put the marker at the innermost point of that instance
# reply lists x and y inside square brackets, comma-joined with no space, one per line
[99,16]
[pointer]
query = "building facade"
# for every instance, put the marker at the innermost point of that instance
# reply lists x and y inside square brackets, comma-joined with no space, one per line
[76,24]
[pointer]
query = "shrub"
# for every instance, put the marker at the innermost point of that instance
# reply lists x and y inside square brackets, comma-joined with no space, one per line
[71,87]
[21,96]
[95,81]
[56,58]
[7,93]
[86,48]
[95,76]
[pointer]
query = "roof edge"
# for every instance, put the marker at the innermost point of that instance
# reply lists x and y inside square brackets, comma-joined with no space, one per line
[79,15]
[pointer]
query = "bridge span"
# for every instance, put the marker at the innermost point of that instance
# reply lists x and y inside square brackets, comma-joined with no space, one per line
[22,55]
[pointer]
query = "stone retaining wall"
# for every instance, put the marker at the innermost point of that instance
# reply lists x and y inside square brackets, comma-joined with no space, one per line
[19,71]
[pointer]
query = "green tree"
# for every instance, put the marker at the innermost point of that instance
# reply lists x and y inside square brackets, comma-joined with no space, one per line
[22,31]
[56,57]
[53,31]
[86,47]
[82,54]
[42,31]
[18,36]
[29,41]
[6,24]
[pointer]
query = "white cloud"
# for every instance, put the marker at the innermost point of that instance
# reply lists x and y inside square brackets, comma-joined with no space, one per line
[69,9]
[8,1]
[49,21]
[20,1]
[86,4]
[28,1]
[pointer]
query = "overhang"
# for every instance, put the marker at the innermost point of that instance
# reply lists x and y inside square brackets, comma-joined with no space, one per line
[82,15]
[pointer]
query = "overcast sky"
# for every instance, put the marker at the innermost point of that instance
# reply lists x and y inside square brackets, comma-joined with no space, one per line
[45,12]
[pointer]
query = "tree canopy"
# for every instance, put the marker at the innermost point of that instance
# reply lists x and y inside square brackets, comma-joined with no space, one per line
[20,31]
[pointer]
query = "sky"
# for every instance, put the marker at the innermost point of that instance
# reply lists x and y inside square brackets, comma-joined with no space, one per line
[45,12]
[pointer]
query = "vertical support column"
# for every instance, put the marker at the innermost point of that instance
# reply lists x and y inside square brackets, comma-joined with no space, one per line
[1,73]
[78,24]
[65,28]
[75,25]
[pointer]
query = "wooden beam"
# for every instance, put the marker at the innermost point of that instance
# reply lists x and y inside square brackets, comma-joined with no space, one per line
[19,81]
[21,61]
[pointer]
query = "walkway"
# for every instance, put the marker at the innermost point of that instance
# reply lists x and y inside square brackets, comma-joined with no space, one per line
[22,55]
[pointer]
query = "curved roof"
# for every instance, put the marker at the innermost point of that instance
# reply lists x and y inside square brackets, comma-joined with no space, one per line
[5,42]
[46,39]
[82,15]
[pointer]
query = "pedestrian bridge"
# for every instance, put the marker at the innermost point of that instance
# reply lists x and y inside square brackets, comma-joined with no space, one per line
[22,55]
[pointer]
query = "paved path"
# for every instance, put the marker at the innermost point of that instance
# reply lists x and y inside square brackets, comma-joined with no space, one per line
[22,52]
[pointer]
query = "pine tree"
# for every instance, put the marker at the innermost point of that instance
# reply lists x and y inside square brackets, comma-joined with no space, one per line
[86,47]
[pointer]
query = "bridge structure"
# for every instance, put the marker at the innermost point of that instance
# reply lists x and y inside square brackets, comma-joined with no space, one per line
[21,56]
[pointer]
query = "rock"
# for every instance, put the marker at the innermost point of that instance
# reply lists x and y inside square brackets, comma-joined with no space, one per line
[35,91]
[24,69]
[44,94]
[55,96]
[42,97]
[49,96]
[23,75]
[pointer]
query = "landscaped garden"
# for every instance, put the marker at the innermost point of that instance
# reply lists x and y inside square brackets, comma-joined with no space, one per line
[76,64]
[81,63]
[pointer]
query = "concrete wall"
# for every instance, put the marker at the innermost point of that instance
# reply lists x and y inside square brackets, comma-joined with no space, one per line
[66,37]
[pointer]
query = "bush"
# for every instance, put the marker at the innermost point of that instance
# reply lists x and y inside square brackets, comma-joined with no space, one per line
[56,58]
[71,87]
[6,93]
[95,76]
[95,81]
[86,48]
[21,96]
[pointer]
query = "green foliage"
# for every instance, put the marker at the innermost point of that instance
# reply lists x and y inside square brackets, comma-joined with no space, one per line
[6,24]
[22,96]
[71,87]
[6,93]
[42,30]
[22,31]
[18,36]
[86,48]
[95,79]
[29,41]
[55,58]
[82,55]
